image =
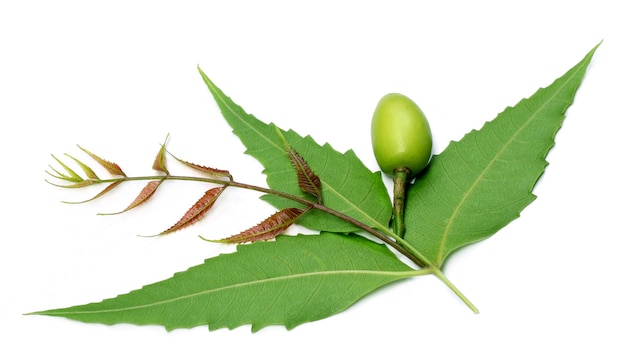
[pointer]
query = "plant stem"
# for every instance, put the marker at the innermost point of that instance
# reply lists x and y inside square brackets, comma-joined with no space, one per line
[394,240]
[313,204]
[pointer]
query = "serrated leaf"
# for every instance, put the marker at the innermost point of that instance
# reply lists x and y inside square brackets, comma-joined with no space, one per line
[86,169]
[111,167]
[208,170]
[145,194]
[308,181]
[72,176]
[347,185]
[159,160]
[288,282]
[268,228]
[110,187]
[75,185]
[197,211]
[478,185]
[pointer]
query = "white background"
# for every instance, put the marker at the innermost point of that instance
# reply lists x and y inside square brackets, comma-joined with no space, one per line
[117,76]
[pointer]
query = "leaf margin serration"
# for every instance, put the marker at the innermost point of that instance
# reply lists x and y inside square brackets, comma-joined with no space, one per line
[431,236]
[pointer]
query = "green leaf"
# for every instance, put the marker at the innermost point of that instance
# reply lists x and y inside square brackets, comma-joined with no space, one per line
[478,185]
[288,282]
[347,185]
[89,172]
[72,175]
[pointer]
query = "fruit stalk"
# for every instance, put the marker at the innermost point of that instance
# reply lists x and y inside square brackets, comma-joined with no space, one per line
[400,177]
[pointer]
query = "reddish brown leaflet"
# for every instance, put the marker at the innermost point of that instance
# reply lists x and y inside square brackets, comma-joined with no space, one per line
[100,194]
[268,228]
[113,168]
[143,196]
[308,181]
[159,160]
[197,211]
[208,170]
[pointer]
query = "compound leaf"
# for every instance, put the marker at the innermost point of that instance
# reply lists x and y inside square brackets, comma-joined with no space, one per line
[478,185]
[294,280]
[347,185]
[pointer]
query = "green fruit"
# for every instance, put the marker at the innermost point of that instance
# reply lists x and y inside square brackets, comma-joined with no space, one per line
[401,135]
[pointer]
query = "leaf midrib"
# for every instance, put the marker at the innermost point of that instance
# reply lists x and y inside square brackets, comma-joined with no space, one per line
[399,274]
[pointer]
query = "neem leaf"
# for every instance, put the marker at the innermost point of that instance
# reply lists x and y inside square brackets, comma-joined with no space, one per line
[308,181]
[268,228]
[89,172]
[288,282]
[208,170]
[159,160]
[72,176]
[144,195]
[197,211]
[112,167]
[110,187]
[347,185]
[75,185]
[478,185]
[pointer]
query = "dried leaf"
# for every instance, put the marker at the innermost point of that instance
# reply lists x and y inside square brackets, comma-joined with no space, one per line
[113,168]
[159,160]
[198,210]
[308,181]
[268,229]
[101,193]
[143,196]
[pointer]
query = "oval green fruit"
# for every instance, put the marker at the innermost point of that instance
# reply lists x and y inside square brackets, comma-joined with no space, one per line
[401,136]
